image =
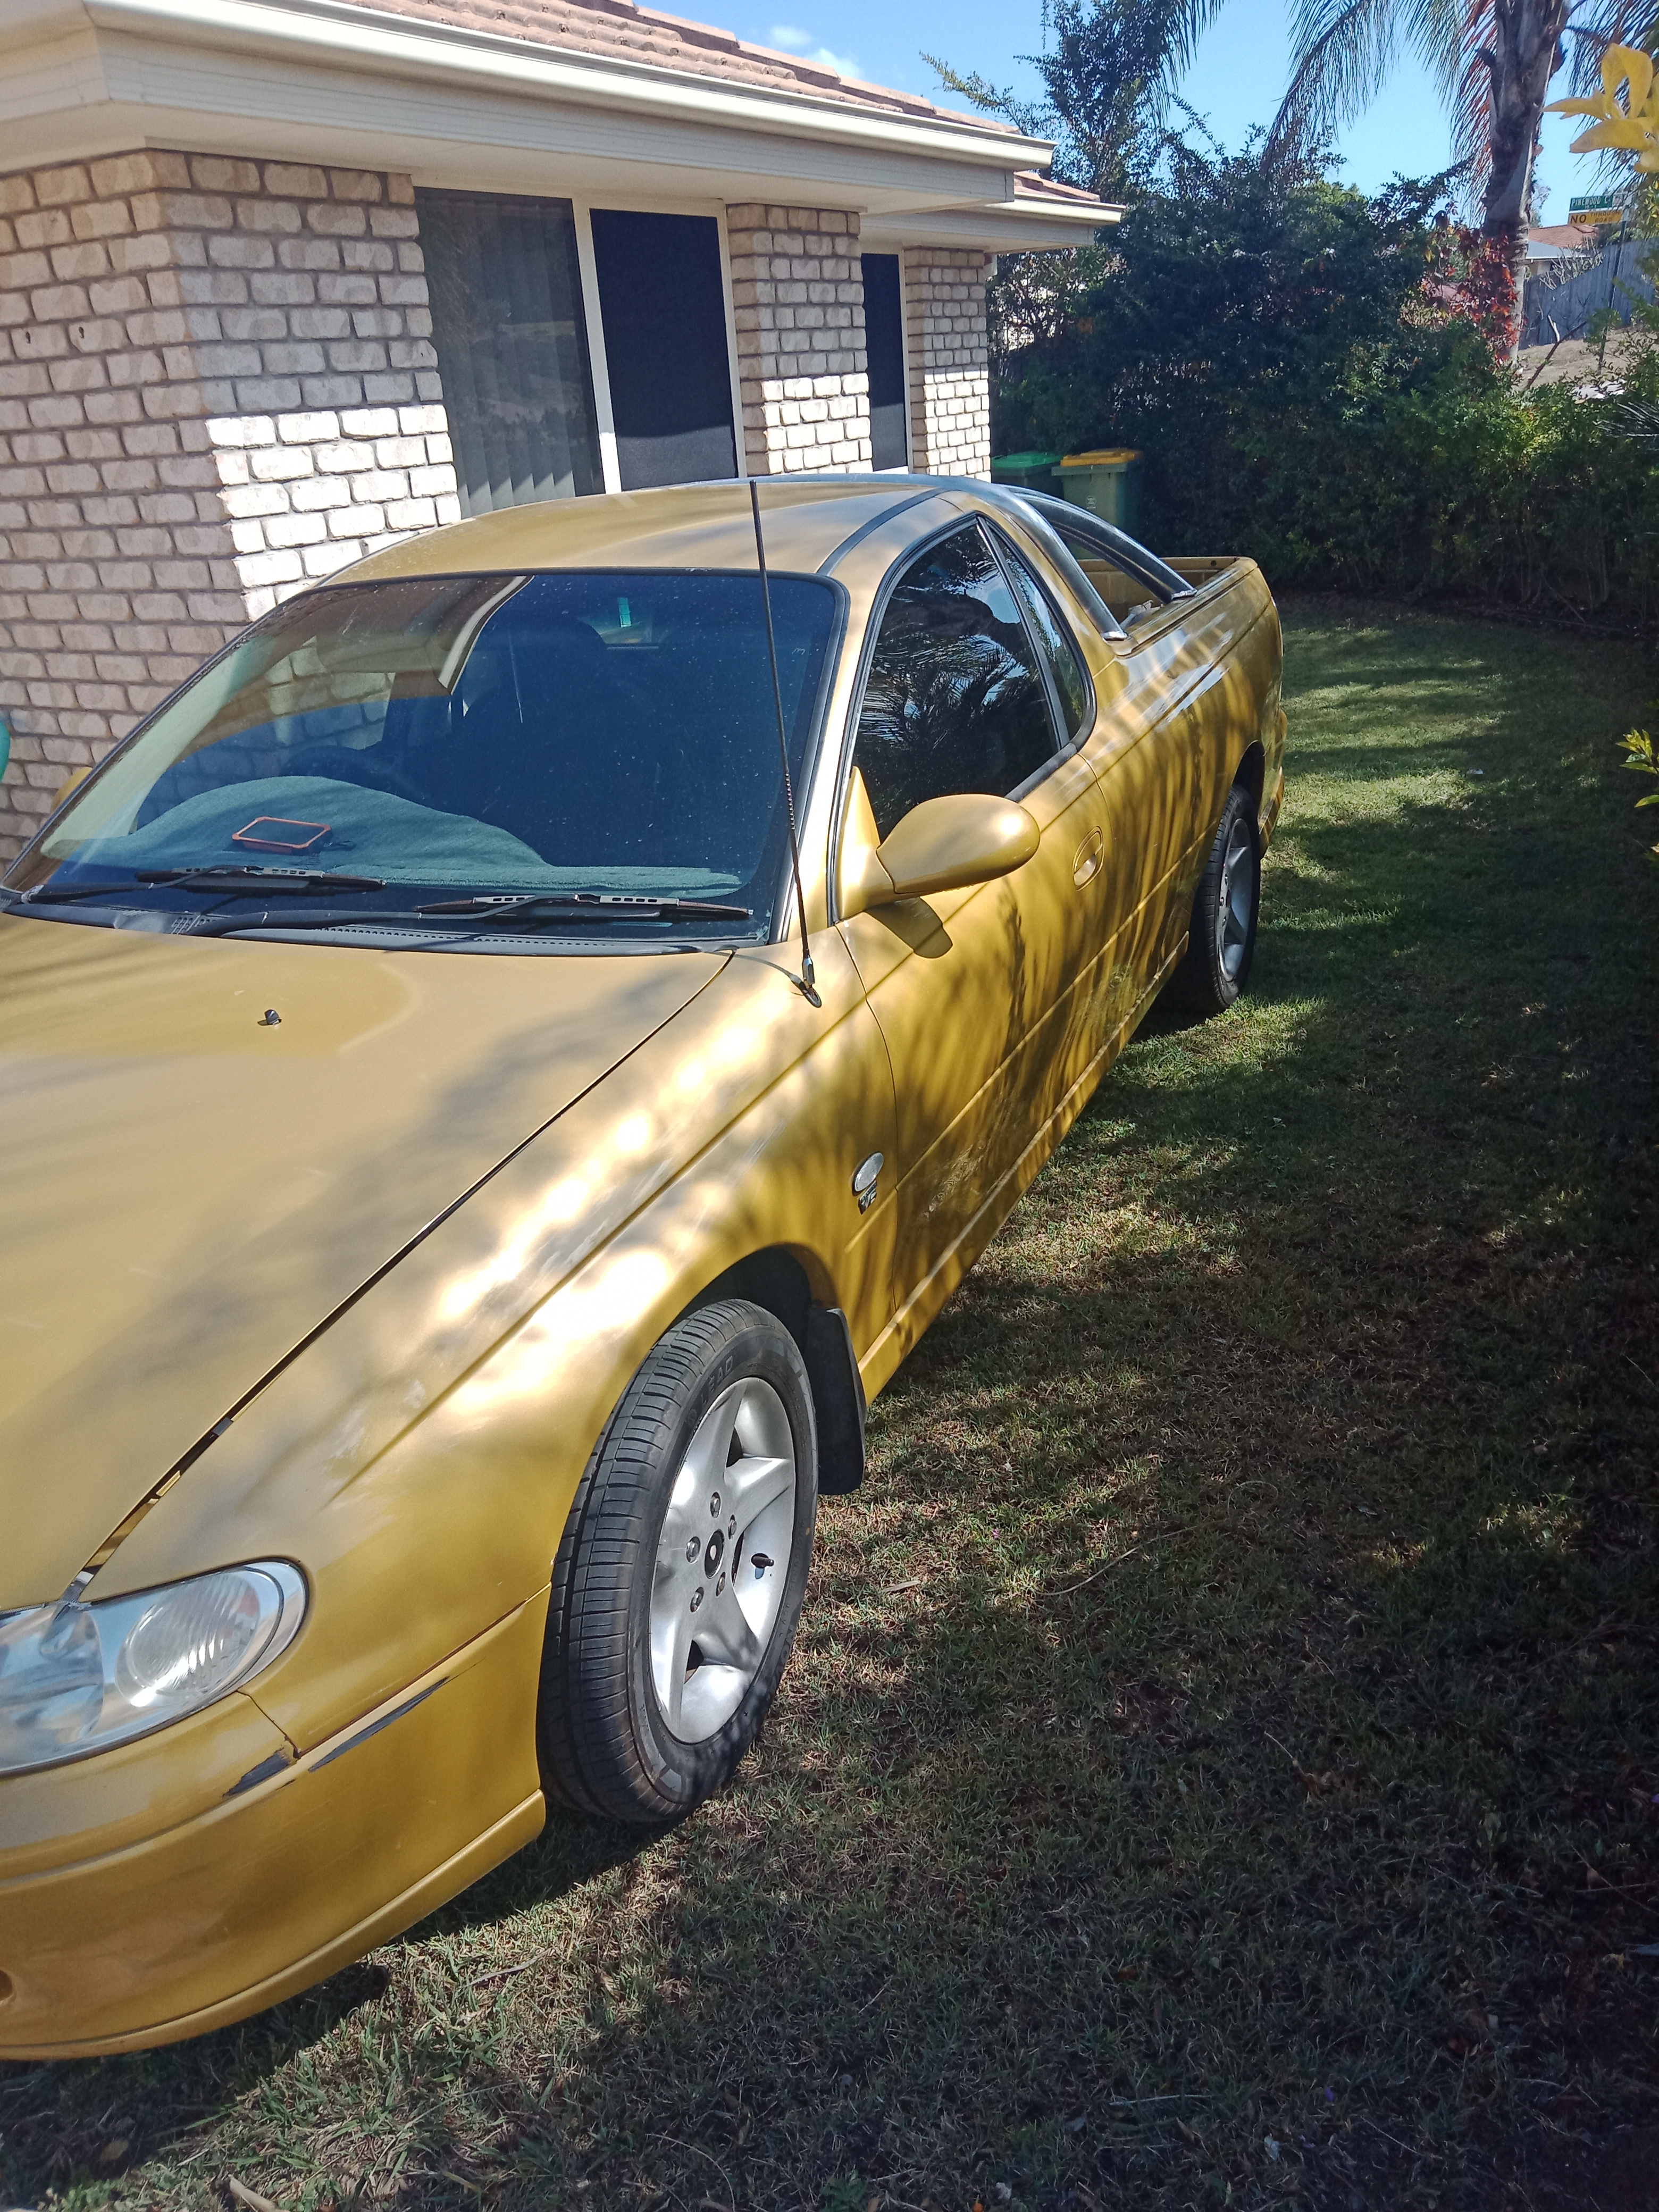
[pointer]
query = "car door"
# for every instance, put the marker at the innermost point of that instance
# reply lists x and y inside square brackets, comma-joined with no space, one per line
[1144,745]
[1177,711]
[958,698]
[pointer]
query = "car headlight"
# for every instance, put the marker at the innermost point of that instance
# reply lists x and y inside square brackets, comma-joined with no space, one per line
[76,1678]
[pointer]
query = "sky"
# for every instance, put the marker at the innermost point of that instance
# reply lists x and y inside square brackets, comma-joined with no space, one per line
[1236,81]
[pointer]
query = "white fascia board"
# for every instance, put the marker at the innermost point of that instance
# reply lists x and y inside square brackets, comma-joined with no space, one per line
[360,43]
[101,93]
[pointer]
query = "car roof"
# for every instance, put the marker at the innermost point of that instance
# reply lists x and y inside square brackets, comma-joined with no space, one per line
[807,524]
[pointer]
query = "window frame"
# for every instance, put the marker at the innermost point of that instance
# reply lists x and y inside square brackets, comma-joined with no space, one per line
[1166,584]
[1007,551]
[592,355]
[631,203]
[880,600]
[907,465]
[587,205]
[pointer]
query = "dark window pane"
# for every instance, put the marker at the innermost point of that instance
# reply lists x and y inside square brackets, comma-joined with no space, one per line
[665,346]
[955,701]
[511,345]
[883,338]
[1053,641]
[605,729]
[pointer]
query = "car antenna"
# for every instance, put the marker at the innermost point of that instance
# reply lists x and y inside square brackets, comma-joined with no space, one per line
[806,981]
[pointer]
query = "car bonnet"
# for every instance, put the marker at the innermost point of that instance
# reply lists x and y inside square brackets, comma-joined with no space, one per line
[189,1189]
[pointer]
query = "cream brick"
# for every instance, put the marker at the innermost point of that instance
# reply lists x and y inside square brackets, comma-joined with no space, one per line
[212,173]
[281,464]
[327,559]
[269,216]
[242,430]
[56,188]
[284,567]
[47,227]
[181,338]
[330,220]
[369,423]
[245,502]
[295,530]
[321,427]
[312,493]
[135,173]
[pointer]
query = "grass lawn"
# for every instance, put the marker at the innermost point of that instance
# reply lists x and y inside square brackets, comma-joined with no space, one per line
[1221,1762]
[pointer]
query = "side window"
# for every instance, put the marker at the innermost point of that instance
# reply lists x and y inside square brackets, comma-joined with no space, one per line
[956,699]
[1065,665]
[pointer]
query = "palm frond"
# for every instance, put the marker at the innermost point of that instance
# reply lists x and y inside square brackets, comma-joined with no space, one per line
[1190,21]
[1609,23]
[1341,51]
[1471,116]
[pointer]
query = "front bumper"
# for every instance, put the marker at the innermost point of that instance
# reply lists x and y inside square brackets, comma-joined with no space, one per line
[279,1882]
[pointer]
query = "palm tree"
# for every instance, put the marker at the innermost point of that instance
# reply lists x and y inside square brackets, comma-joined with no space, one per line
[1113,63]
[1493,60]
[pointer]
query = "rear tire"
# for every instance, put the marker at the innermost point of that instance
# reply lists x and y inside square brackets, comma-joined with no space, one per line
[680,1581]
[1225,909]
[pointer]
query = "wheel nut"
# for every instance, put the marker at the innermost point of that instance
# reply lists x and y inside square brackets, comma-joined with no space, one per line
[696,1597]
[721,1584]
[731,1526]
[690,1548]
[715,1505]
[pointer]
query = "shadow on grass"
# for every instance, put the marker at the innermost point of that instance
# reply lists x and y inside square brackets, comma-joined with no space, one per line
[1222,1750]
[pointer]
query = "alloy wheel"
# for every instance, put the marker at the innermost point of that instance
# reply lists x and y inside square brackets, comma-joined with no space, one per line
[722,1559]
[1234,908]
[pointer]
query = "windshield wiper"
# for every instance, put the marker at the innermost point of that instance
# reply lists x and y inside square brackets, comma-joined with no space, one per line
[589,906]
[226,925]
[227,882]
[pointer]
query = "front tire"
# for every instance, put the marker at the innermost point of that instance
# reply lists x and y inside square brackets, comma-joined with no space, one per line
[680,1581]
[1226,906]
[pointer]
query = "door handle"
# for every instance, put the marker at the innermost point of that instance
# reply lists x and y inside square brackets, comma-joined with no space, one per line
[1090,854]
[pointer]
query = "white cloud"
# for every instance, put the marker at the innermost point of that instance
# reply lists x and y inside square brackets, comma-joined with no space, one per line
[794,40]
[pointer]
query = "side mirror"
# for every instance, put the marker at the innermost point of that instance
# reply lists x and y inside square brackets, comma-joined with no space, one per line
[943,845]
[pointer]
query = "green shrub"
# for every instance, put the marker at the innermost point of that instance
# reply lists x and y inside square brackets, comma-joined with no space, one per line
[1306,373]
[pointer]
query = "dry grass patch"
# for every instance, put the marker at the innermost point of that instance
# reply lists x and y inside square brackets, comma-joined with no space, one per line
[1221,1764]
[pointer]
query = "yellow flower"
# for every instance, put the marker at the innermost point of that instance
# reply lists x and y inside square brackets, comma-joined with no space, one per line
[1631,124]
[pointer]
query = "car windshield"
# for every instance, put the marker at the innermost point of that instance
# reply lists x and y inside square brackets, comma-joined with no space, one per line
[449,739]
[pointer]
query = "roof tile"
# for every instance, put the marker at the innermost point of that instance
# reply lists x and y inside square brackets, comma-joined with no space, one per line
[618,30]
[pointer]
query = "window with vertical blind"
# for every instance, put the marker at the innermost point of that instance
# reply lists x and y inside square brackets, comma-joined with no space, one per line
[511,339]
[883,338]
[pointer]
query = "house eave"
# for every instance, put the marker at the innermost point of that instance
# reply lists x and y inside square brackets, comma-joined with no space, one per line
[79,75]
[1019,225]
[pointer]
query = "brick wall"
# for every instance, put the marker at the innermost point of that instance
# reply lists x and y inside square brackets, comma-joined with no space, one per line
[216,384]
[949,360]
[797,300]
